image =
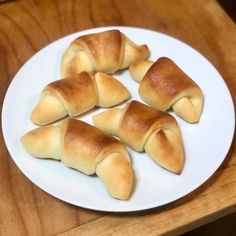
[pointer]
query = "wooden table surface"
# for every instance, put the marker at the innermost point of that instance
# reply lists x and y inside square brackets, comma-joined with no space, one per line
[26,26]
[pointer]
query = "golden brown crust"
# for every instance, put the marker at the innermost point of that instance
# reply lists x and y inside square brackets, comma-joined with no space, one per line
[100,47]
[83,141]
[106,51]
[137,123]
[144,128]
[73,91]
[166,78]
[164,85]
[87,149]
[76,95]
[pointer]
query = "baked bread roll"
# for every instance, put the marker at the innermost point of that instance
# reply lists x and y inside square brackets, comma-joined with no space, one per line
[76,95]
[87,149]
[144,128]
[106,51]
[164,85]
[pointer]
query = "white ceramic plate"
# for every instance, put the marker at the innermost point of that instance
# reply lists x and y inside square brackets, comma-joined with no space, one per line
[206,143]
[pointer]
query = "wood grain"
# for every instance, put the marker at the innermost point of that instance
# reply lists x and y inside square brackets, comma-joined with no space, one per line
[211,196]
[26,26]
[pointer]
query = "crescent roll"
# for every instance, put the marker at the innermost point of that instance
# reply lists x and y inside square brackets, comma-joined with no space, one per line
[87,149]
[76,95]
[144,128]
[164,85]
[107,51]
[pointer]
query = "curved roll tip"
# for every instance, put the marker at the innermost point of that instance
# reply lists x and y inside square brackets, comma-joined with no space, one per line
[138,69]
[116,173]
[165,147]
[108,121]
[43,142]
[48,110]
[110,90]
